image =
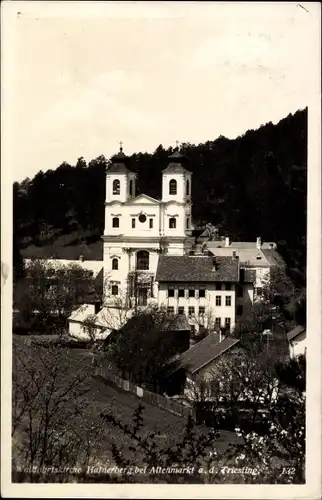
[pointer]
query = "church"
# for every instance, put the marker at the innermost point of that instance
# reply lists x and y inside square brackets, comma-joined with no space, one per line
[150,256]
[138,229]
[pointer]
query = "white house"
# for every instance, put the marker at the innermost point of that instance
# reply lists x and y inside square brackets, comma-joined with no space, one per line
[257,256]
[297,341]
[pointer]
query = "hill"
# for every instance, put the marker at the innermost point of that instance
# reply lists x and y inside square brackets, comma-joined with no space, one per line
[254,185]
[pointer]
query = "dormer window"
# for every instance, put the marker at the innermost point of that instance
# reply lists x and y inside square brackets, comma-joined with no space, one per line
[173,186]
[172,223]
[116,187]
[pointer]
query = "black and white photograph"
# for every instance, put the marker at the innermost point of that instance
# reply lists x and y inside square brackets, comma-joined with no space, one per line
[160,249]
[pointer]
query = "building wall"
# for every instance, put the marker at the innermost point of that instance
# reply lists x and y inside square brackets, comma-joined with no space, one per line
[298,345]
[208,302]
[246,301]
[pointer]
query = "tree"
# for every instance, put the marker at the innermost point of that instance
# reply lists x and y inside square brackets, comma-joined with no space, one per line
[143,347]
[50,424]
[54,291]
[265,402]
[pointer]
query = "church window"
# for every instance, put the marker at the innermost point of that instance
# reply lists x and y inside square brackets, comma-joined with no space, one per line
[115,264]
[188,222]
[187,187]
[115,290]
[116,222]
[173,186]
[172,223]
[133,223]
[142,260]
[116,187]
[142,296]
[131,188]
[151,223]
[142,218]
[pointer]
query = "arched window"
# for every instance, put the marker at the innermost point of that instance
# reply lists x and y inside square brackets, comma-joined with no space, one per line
[115,264]
[116,222]
[172,223]
[187,187]
[116,187]
[142,260]
[173,186]
[131,188]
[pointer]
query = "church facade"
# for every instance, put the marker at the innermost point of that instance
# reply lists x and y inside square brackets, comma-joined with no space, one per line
[138,229]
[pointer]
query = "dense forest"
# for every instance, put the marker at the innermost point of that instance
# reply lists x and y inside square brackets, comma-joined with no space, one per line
[254,185]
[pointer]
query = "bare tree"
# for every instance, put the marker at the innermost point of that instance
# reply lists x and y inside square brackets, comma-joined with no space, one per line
[50,426]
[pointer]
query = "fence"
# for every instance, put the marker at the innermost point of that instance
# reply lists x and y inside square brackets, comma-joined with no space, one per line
[148,396]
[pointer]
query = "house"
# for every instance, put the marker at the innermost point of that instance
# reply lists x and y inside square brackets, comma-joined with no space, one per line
[258,256]
[206,288]
[102,321]
[297,341]
[200,360]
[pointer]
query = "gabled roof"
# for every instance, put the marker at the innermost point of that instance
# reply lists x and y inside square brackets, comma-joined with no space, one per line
[204,352]
[178,322]
[196,268]
[143,197]
[295,332]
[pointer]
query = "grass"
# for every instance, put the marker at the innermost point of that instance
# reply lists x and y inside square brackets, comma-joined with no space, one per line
[102,396]
[68,247]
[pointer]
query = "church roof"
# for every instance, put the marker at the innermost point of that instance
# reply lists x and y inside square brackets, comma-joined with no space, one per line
[196,268]
[119,161]
[119,168]
[175,166]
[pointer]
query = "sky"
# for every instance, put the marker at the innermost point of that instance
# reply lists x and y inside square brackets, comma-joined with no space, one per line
[80,78]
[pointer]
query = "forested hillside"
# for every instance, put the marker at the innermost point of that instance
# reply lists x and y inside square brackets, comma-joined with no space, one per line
[254,185]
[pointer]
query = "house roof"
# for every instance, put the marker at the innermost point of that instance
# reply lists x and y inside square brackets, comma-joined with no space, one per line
[177,323]
[204,352]
[295,332]
[251,256]
[196,268]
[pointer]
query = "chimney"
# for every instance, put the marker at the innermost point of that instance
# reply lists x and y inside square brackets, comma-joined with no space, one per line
[227,242]
[258,243]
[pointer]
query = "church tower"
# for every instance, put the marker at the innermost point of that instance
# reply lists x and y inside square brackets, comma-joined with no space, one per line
[176,200]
